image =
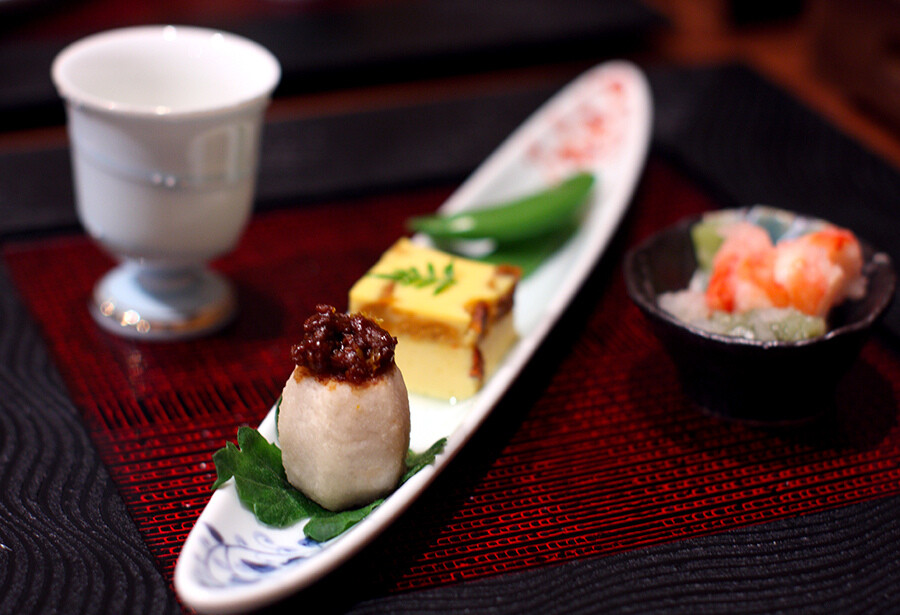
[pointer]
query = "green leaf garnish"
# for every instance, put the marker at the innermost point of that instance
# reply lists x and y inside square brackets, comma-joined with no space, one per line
[277,413]
[417,461]
[262,486]
[413,277]
[325,527]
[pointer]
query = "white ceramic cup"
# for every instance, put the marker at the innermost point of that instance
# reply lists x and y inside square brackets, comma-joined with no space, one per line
[164,128]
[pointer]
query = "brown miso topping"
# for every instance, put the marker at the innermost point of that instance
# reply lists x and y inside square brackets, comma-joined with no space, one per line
[347,347]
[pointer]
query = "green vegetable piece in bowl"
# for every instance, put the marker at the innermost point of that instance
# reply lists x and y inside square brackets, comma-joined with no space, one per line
[524,218]
[798,326]
[768,324]
[707,242]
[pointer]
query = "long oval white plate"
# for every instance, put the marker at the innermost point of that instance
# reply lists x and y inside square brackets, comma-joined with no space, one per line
[600,122]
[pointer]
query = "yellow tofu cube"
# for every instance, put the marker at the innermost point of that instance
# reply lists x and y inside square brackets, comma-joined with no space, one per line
[452,316]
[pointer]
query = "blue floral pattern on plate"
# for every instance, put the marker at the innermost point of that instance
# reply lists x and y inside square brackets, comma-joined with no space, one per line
[242,561]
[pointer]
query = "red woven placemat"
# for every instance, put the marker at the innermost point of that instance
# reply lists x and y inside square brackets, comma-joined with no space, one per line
[595,452]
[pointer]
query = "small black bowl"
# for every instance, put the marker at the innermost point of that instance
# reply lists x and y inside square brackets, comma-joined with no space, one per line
[760,382]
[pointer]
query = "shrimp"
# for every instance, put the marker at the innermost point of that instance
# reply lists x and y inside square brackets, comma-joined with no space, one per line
[811,273]
[741,278]
[819,270]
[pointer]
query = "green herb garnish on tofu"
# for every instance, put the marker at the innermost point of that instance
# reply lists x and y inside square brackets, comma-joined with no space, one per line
[413,277]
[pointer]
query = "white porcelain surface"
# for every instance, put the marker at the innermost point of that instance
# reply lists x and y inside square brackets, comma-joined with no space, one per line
[175,71]
[162,304]
[164,128]
[232,563]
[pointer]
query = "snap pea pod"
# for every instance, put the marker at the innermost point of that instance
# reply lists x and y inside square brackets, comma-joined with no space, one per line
[523,218]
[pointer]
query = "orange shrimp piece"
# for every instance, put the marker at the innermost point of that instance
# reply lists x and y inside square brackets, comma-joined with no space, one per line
[818,270]
[741,276]
[811,273]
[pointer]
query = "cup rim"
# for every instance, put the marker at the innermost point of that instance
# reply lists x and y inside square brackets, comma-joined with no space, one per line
[75,95]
